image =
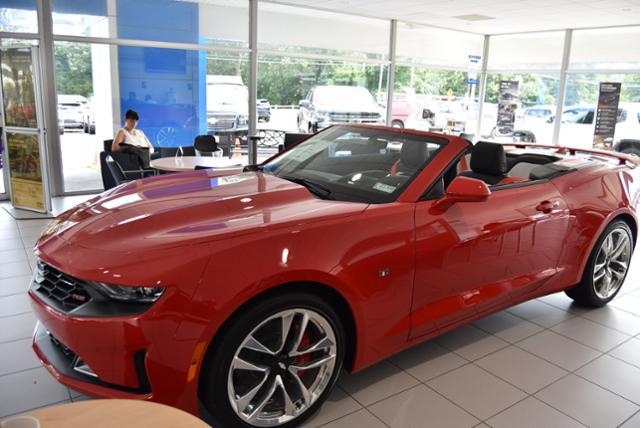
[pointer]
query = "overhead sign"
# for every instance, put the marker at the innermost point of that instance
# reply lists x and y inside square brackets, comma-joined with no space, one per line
[606,114]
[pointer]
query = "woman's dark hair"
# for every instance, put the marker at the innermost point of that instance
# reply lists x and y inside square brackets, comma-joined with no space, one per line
[131,114]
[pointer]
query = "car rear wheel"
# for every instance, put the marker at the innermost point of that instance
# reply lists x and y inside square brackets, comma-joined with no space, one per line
[275,365]
[606,268]
[397,124]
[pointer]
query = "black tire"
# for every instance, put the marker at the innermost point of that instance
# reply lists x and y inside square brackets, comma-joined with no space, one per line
[397,124]
[585,292]
[215,370]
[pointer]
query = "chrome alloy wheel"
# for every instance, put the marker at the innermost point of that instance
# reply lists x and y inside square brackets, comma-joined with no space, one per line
[611,263]
[282,367]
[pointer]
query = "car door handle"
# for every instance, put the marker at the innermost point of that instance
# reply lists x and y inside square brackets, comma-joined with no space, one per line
[547,206]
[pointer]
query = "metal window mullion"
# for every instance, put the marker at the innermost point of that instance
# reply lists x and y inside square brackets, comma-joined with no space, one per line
[51,135]
[253,81]
[391,73]
[562,89]
[483,85]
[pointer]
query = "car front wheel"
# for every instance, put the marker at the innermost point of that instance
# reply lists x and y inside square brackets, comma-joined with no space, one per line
[275,365]
[606,268]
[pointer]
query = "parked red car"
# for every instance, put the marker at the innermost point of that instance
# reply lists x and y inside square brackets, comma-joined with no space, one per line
[249,292]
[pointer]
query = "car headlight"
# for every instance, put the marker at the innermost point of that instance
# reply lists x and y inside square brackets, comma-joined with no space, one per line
[129,293]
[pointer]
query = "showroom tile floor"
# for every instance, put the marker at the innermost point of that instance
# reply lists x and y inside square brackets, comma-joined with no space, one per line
[544,363]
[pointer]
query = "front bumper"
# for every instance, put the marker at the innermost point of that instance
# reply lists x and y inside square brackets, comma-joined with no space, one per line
[132,357]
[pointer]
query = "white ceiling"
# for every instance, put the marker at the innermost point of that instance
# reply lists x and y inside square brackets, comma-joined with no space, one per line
[511,16]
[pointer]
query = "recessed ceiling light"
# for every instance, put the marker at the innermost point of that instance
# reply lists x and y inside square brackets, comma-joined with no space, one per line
[474,17]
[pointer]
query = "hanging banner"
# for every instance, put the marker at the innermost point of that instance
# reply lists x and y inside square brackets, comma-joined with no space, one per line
[18,89]
[27,189]
[606,115]
[507,104]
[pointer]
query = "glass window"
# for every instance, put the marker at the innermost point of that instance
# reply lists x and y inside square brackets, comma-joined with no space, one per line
[19,16]
[178,94]
[579,114]
[530,110]
[606,49]
[89,18]
[356,164]
[434,46]
[435,100]
[213,22]
[295,29]
[305,95]
[541,51]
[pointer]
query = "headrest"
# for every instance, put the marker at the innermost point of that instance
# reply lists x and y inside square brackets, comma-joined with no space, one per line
[413,154]
[489,159]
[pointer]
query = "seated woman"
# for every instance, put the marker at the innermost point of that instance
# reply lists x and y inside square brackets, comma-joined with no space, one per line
[132,140]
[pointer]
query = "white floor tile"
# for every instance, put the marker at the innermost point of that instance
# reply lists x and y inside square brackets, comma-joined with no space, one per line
[540,313]
[591,334]
[337,405]
[563,302]
[361,418]
[17,327]
[588,403]
[14,305]
[17,356]
[559,350]
[522,369]
[420,407]
[376,383]
[36,388]
[507,326]
[477,391]
[629,303]
[533,413]
[616,319]
[614,375]
[470,342]
[632,422]
[427,360]
[628,352]
[7,244]
[10,270]
[14,285]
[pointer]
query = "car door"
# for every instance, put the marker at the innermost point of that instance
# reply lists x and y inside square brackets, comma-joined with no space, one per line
[479,255]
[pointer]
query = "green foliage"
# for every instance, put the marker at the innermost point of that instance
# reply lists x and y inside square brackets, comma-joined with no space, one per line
[73,69]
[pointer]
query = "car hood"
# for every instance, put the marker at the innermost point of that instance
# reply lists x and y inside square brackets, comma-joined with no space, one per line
[191,208]
[348,106]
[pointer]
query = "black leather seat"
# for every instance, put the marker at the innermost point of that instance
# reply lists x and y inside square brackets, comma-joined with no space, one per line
[488,163]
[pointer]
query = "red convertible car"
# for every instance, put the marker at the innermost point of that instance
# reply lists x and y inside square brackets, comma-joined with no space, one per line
[241,295]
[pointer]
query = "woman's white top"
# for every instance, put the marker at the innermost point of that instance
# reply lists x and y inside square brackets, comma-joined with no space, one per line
[136,138]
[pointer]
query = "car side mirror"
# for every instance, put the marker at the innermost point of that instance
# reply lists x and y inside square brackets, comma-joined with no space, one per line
[463,189]
[427,114]
[304,103]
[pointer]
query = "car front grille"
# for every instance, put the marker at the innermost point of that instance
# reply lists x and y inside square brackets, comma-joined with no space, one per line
[59,289]
[363,117]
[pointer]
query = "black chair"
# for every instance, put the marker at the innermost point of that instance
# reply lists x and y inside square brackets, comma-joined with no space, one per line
[119,175]
[205,145]
[127,162]
[291,138]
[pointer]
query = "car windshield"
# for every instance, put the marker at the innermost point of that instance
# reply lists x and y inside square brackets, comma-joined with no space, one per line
[356,164]
[226,95]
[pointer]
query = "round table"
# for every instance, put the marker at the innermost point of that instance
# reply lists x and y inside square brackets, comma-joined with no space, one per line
[188,163]
[114,413]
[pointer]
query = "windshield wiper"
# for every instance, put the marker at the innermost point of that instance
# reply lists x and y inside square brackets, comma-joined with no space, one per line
[315,188]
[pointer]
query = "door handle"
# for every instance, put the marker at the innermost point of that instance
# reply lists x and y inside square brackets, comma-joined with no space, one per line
[547,206]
